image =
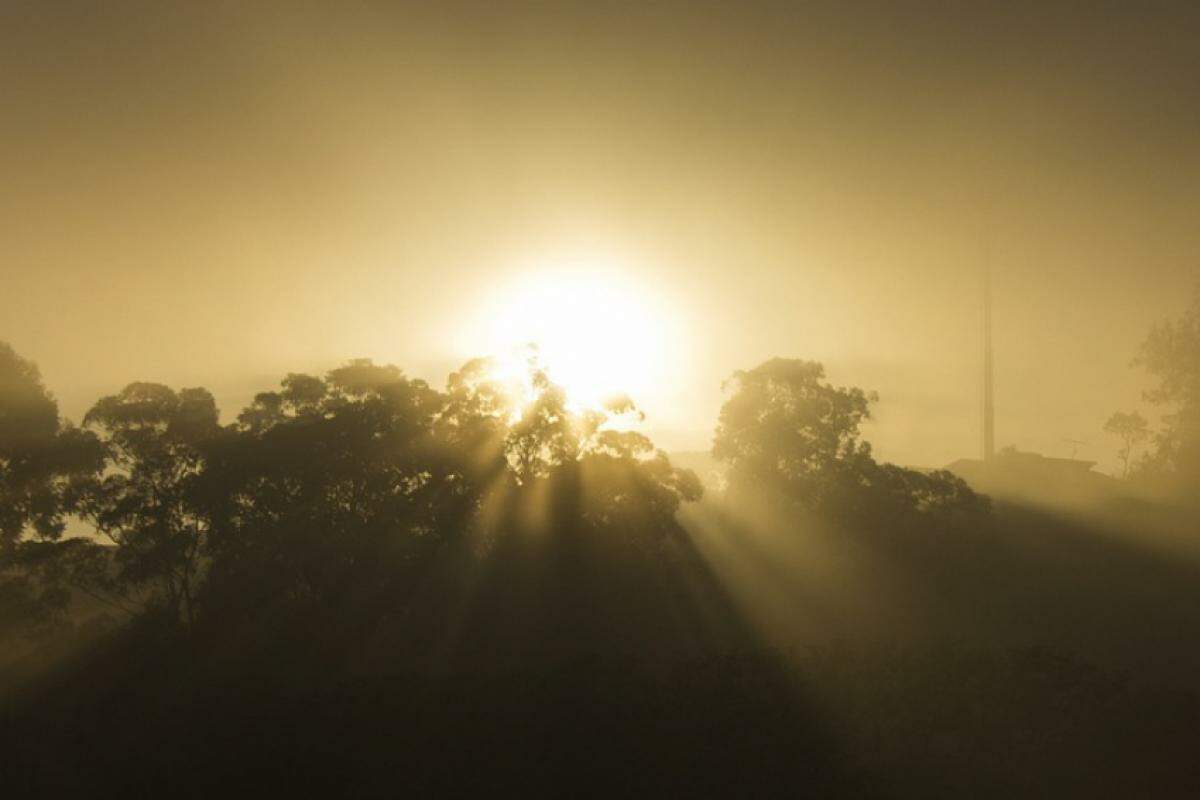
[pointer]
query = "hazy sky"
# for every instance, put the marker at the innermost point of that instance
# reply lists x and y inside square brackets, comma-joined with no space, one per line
[217,193]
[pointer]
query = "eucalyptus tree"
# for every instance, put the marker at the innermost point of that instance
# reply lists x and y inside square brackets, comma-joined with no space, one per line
[1132,429]
[787,435]
[144,503]
[328,497]
[1171,355]
[784,428]
[43,462]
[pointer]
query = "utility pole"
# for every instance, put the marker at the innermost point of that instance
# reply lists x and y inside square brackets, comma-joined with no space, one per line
[989,432]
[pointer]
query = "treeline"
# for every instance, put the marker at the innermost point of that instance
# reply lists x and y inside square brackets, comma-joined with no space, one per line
[334,497]
[364,501]
[363,582]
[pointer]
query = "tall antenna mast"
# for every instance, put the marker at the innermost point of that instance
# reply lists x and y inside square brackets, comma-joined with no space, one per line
[989,433]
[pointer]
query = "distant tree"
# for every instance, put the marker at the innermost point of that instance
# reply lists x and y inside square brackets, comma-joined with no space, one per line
[40,456]
[470,432]
[545,435]
[629,483]
[784,427]
[621,467]
[144,502]
[540,438]
[1171,355]
[787,432]
[583,548]
[338,503]
[1133,431]
[328,497]
[42,463]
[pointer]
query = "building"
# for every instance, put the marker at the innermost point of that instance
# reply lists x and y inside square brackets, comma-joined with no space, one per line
[1016,475]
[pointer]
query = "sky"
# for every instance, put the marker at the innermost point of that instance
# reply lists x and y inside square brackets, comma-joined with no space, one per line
[219,193]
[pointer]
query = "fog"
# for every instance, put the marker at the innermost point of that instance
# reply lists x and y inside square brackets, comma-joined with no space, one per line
[592,398]
[215,195]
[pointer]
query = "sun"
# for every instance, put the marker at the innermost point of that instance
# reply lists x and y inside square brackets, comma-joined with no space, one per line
[597,332]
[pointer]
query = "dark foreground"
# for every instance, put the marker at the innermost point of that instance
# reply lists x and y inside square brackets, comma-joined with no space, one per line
[944,722]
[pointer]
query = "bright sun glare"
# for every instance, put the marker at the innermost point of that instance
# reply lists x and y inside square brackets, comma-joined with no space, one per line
[597,332]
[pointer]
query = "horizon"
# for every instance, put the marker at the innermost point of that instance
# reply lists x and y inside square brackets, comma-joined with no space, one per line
[687,398]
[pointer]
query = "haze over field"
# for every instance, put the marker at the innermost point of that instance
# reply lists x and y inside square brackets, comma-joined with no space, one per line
[215,194]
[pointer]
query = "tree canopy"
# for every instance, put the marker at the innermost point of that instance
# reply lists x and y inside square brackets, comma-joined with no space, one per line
[43,464]
[40,455]
[1170,354]
[363,499]
[787,433]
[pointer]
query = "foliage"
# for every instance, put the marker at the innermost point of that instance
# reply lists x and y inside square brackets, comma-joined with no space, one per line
[40,456]
[1171,355]
[143,503]
[784,426]
[1133,430]
[786,432]
[335,501]
[329,492]
[338,503]
[43,462]
[499,569]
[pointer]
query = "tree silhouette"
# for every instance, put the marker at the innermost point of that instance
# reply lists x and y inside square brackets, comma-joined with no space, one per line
[786,428]
[40,456]
[143,503]
[370,567]
[545,435]
[1171,354]
[43,462]
[787,433]
[1133,431]
[327,497]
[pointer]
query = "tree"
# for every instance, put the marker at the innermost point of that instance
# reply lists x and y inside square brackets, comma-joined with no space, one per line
[328,497]
[787,434]
[630,485]
[144,504]
[545,435]
[336,502]
[619,469]
[1133,431]
[784,427]
[1171,354]
[40,456]
[42,463]
[582,549]
[365,500]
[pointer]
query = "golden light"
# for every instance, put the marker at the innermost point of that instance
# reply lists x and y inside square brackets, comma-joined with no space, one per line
[597,332]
